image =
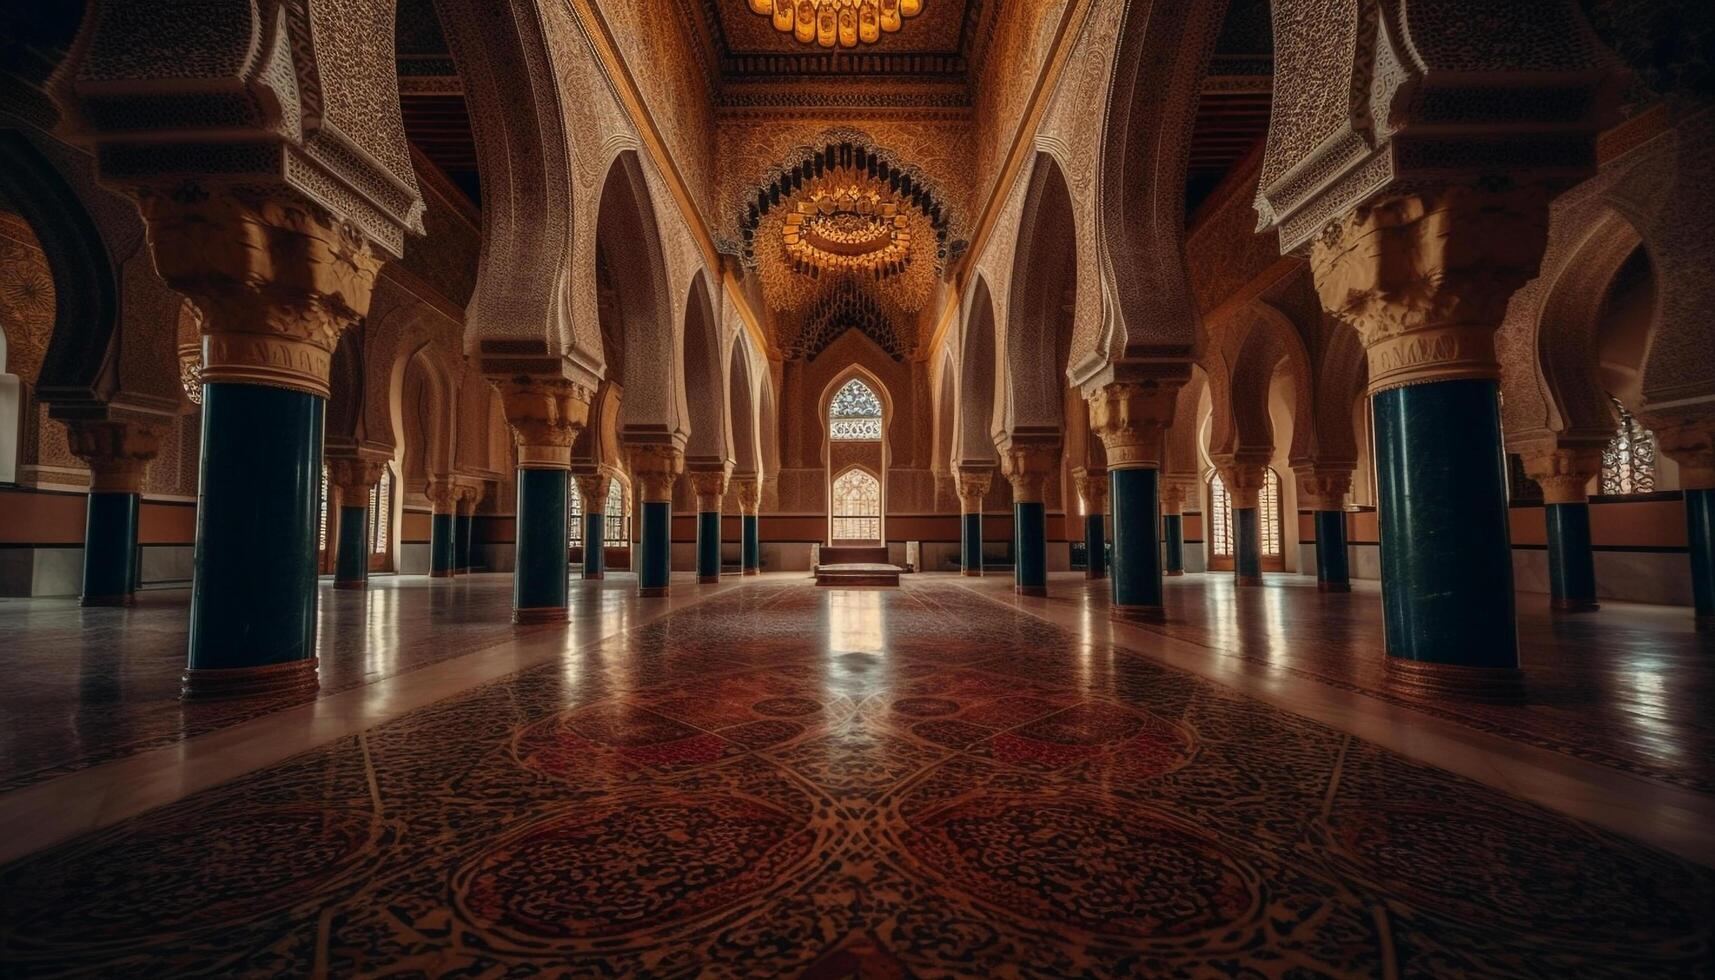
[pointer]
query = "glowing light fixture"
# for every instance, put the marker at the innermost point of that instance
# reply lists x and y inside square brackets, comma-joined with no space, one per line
[842,23]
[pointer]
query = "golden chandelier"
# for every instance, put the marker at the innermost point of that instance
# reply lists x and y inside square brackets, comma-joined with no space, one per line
[841,22]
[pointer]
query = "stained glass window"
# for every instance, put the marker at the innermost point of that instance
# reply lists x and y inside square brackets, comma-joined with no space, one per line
[574,515]
[1220,518]
[1628,463]
[616,528]
[1268,512]
[855,413]
[322,527]
[857,507]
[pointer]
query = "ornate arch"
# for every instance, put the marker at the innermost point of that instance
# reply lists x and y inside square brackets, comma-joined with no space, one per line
[1042,293]
[741,402]
[628,243]
[708,440]
[977,380]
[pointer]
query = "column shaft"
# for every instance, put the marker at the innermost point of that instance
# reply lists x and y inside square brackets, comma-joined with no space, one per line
[539,581]
[351,558]
[1030,539]
[1247,546]
[1700,530]
[461,542]
[1095,546]
[1137,555]
[253,602]
[442,553]
[595,555]
[1571,566]
[109,549]
[1333,571]
[752,544]
[654,570]
[708,547]
[1174,532]
[1447,583]
[971,543]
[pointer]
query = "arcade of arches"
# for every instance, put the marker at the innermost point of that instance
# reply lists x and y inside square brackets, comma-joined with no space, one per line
[456,457]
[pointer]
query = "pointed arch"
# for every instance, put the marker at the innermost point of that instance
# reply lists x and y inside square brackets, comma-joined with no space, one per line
[628,244]
[977,380]
[741,410]
[708,439]
[1041,298]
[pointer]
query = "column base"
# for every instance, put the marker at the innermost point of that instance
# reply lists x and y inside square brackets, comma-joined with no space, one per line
[1138,614]
[1574,605]
[539,614]
[360,584]
[753,571]
[1035,590]
[1248,579]
[708,579]
[594,576]
[292,678]
[1431,681]
[443,573]
[1173,572]
[652,591]
[1333,586]
[972,572]
[107,600]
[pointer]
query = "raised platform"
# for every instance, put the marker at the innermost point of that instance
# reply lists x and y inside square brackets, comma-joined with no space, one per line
[839,554]
[857,573]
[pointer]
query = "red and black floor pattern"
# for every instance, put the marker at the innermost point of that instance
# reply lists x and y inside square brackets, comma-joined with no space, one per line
[789,781]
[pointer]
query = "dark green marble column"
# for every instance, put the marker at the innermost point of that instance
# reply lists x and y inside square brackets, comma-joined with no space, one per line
[1174,531]
[1030,548]
[971,543]
[751,527]
[1095,546]
[109,549]
[1247,546]
[595,554]
[462,529]
[655,565]
[539,579]
[1700,533]
[1447,581]
[253,601]
[708,547]
[351,559]
[1133,496]
[1333,570]
[441,549]
[1571,565]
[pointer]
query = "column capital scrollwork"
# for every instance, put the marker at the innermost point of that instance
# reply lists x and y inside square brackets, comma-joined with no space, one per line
[711,488]
[1323,486]
[1092,489]
[276,278]
[974,484]
[1028,467]
[749,491]
[443,496]
[545,416]
[1563,471]
[118,451]
[1688,440]
[656,467]
[1243,477]
[1131,417]
[593,488]
[1175,491]
[1425,277]
[353,476]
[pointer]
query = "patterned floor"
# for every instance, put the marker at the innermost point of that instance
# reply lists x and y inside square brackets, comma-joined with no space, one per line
[790,781]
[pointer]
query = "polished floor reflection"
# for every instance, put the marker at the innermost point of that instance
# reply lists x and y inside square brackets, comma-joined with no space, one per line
[784,780]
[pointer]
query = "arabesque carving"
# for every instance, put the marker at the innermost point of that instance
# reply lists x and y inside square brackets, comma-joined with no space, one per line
[118,450]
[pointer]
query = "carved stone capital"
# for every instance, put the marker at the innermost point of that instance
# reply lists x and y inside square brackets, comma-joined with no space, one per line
[276,278]
[749,491]
[1425,277]
[1690,442]
[467,493]
[1131,416]
[594,488]
[711,487]
[1243,479]
[1028,466]
[443,496]
[1563,472]
[545,416]
[118,451]
[973,487]
[1322,486]
[1092,489]
[352,477]
[1175,491]
[655,467]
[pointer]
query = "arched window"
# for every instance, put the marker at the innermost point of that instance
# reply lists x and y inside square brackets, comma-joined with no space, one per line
[1220,518]
[380,511]
[1268,513]
[617,524]
[857,506]
[574,515]
[854,414]
[1628,463]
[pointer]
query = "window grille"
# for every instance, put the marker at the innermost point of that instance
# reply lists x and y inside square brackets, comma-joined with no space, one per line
[854,414]
[1628,463]
[857,507]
